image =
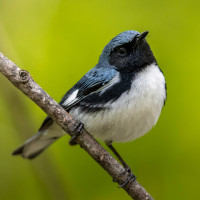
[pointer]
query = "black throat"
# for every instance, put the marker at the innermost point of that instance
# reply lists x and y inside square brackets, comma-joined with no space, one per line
[136,59]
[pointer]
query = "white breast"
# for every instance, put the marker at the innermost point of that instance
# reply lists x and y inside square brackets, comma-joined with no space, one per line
[133,114]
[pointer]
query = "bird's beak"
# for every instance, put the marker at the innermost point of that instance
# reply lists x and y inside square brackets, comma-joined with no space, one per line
[142,36]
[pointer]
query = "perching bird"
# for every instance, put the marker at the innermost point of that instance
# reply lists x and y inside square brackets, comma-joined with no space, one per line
[118,100]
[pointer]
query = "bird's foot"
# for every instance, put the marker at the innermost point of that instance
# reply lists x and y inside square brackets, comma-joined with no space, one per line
[79,129]
[131,176]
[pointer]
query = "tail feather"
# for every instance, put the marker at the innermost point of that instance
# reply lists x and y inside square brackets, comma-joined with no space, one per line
[34,146]
[39,142]
[20,151]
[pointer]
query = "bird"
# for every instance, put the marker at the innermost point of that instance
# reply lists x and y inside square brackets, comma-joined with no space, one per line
[118,100]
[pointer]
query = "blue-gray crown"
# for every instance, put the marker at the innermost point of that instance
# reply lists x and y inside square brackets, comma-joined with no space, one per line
[122,38]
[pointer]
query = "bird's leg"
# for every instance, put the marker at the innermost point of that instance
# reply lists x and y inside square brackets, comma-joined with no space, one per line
[127,168]
[78,128]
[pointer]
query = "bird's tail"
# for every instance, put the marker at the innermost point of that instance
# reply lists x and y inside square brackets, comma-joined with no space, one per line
[39,142]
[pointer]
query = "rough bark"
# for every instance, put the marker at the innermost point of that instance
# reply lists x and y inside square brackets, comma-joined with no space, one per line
[24,82]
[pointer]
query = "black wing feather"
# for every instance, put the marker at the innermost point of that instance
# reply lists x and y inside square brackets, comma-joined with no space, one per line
[88,84]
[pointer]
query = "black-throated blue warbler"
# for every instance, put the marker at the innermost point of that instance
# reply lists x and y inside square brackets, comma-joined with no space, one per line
[118,100]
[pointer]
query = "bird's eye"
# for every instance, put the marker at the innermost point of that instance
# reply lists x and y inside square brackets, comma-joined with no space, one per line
[121,51]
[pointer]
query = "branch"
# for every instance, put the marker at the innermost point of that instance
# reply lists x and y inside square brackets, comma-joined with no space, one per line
[24,82]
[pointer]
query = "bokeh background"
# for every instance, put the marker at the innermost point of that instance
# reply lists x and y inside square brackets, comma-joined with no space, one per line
[58,41]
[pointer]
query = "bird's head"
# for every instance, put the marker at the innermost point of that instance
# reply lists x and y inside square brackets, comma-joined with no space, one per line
[128,51]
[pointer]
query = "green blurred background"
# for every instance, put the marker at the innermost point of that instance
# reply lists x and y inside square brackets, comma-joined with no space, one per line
[58,41]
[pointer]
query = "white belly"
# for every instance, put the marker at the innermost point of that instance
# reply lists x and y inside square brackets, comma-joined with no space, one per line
[133,114]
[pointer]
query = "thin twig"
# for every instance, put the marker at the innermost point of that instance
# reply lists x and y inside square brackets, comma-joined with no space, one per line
[24,82]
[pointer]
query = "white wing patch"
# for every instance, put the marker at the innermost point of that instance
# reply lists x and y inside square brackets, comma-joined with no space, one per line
[71,98]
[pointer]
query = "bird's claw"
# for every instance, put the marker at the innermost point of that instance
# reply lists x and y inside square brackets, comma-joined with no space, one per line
[79,129]
[130,177]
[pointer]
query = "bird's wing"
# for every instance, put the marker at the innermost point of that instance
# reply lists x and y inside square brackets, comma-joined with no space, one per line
[94,81]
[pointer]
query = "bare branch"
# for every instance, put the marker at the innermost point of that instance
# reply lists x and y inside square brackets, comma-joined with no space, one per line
[24,82]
